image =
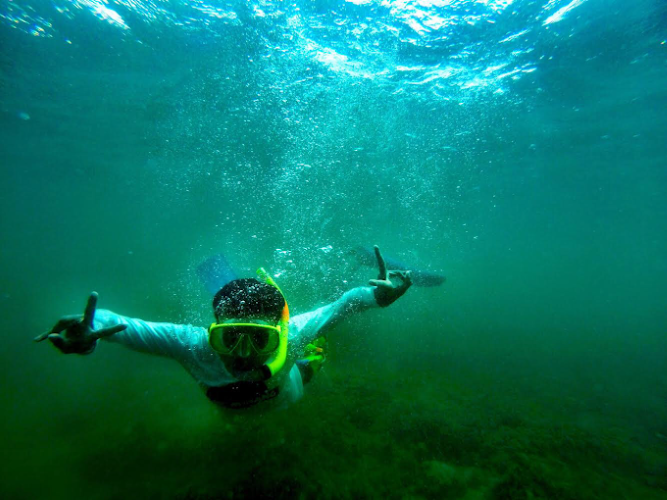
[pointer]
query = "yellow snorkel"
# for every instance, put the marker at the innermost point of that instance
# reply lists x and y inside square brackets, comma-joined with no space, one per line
[278,361]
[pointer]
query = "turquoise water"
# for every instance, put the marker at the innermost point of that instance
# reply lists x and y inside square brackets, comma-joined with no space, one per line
[519,147]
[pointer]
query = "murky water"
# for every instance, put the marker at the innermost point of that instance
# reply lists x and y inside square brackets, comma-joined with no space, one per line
[518,147]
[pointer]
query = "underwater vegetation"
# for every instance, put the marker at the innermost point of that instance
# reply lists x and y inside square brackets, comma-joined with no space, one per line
[356,437]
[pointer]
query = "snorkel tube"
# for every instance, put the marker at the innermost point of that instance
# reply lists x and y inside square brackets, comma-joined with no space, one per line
[275,365]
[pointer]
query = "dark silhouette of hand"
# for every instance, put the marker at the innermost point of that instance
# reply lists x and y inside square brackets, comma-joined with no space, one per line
[389,285]
[75,334]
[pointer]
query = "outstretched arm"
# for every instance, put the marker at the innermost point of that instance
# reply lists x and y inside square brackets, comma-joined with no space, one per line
[77,334]
[163,339]
[383,291]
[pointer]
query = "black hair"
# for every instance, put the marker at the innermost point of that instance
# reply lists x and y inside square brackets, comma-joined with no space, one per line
[249,298]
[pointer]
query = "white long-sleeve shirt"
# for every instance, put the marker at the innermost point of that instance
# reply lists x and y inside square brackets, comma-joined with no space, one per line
[189,345]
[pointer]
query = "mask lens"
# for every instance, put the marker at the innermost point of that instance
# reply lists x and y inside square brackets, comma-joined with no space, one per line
[231,336]
[264,338]
[260,338]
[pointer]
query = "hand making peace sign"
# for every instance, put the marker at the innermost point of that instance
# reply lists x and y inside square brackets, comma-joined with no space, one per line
[75,334]
[387,291]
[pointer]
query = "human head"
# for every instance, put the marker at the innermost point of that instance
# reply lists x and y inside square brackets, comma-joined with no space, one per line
[247,301]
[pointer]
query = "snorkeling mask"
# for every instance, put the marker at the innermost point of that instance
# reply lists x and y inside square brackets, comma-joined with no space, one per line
[224,338]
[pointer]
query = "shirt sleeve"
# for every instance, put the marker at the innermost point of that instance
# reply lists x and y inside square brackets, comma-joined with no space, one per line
[305,328]
[163,339]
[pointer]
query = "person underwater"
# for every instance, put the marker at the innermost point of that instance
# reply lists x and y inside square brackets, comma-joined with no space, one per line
[254,354]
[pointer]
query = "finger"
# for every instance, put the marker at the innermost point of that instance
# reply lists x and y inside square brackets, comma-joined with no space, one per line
[89,315]
[65,323]
[406,276]
[400,274]
[57,341]
[41,337]
[383,268]
[107,332]
[380,283]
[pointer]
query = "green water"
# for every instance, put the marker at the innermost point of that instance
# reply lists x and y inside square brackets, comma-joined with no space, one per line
[130,155]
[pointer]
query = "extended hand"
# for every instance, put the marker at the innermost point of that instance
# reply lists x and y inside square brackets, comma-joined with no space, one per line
[390,285]
[75,334]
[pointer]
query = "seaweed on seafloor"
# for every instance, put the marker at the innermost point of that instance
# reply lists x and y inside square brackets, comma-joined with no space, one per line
[522,482]
[440,440]
[279,486]
[279,489]
[606,451]
[359,439]
[566,462]
[441,480]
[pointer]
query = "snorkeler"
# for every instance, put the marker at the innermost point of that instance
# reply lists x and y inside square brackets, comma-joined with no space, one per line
[254,355]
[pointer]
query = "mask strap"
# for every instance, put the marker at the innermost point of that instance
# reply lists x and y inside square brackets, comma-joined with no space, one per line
[278,362]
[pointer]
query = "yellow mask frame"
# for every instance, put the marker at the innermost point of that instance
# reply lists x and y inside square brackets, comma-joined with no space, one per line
[236,331]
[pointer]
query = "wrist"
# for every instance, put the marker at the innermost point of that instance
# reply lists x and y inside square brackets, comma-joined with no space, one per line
[90,350]
[382,298]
